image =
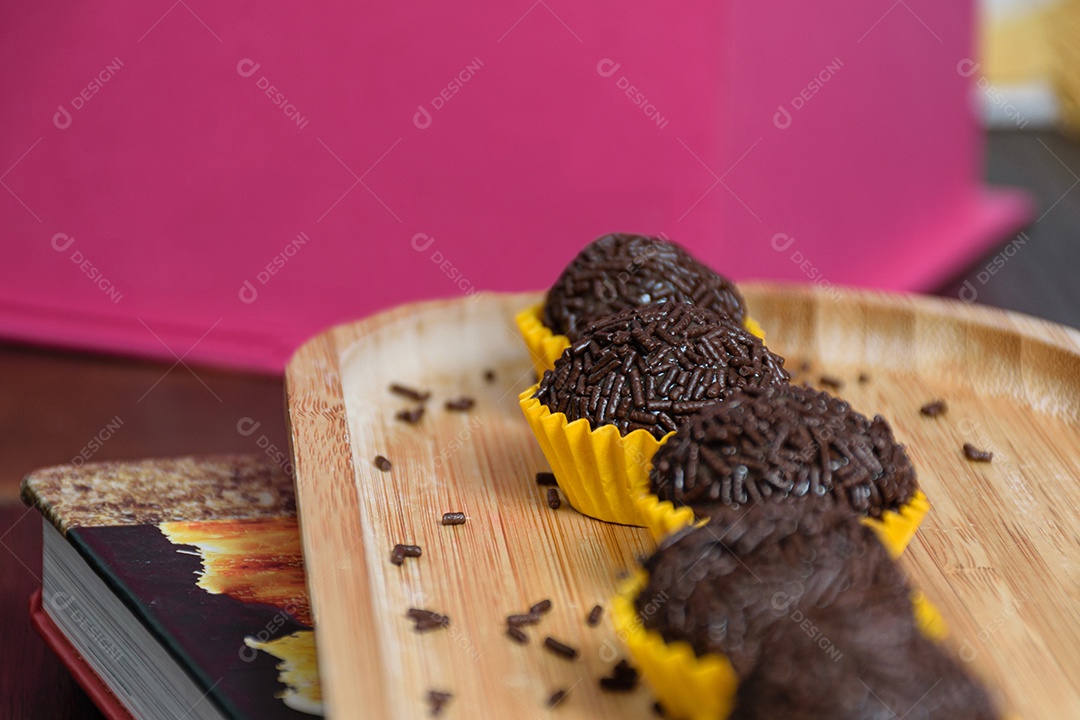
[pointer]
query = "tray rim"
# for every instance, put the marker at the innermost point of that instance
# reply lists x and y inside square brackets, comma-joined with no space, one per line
[1057,334]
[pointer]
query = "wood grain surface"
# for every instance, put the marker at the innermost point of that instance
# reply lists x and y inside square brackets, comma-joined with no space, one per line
[998,552]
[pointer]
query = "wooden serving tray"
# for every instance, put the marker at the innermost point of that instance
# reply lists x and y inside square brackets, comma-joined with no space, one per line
[999,553]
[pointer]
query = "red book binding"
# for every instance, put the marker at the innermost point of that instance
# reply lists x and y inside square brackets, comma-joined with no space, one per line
[88,680]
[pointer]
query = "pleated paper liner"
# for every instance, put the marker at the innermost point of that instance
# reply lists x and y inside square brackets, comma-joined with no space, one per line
[704,688]
[545,347]
[595,468]
[753,327]
[895,528]
[686,685]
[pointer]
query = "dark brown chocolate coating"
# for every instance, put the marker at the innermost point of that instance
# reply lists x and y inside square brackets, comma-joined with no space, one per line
[827,667]
[652,367]
[620,271]
[811,612]
[724,586]
[779,441]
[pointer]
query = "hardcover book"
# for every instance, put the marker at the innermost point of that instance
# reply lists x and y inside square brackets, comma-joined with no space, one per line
[180,584]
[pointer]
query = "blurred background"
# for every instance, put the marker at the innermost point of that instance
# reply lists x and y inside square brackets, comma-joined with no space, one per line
[219,184]
[190,191]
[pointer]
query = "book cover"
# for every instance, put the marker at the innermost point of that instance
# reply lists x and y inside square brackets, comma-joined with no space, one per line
[205,553]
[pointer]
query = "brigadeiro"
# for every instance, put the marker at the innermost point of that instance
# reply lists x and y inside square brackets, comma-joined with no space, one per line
[759,444]
[630,380]
[652,367]
[621,271]
[784,609]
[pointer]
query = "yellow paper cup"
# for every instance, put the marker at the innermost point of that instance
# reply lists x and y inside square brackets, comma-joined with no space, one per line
[661,516]
[895,528]
[928,617]
[595,468]
[753,327]
[545,347]
[687,686]
[705,687]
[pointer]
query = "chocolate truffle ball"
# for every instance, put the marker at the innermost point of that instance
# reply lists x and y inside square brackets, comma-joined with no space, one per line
[724,586]
[652,367]
[767,442]
[815,618]
[620,271]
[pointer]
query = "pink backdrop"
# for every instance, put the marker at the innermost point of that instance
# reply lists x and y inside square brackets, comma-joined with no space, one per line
[219,183]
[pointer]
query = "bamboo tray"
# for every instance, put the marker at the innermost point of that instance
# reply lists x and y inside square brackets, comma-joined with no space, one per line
[999,553]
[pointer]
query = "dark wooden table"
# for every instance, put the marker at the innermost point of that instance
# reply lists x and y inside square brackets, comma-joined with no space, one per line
[52,403]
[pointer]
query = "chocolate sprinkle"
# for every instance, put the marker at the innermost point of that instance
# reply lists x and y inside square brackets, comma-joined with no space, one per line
[594,616]
[559,648]
[382,463]
[624,678]
[621,271]
[545,478]
[541,607]
[427,619]
[453,518]
[411,416]
[489,375]
[530,618]
[805,603]
[781,441]
[557,697]
[438,698]
[460,404]
[974,454]
[934,408]
[831,382]
[410,393]
[553,500]
[517,634]
[863,378]
[400,552]
[653,367]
